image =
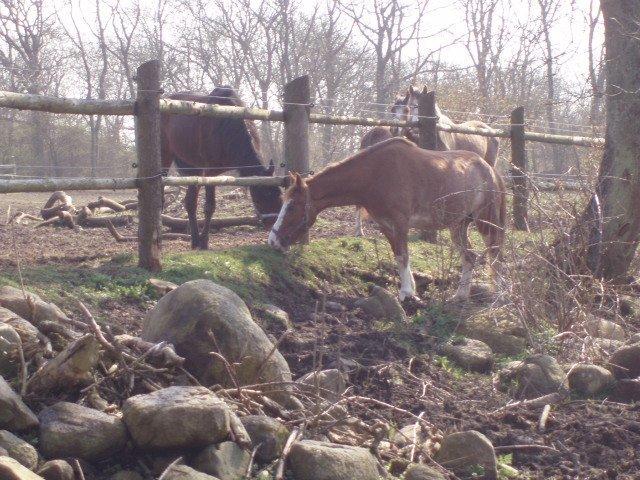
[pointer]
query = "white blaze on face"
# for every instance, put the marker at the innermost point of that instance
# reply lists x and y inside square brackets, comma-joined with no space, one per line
[274,241]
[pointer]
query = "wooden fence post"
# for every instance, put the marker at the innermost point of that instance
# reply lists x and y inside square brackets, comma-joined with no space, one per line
[428,120]
[296,108]
[428,139]
[147,120]
[519,170]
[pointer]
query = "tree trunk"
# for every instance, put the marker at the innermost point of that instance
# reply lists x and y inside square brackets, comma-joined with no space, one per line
[610,226]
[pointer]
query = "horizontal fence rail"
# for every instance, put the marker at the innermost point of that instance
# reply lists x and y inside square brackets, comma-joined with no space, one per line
[80,106]
[55,184]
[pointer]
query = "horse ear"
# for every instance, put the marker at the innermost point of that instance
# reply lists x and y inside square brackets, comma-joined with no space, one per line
[411,91]
[271,168]
[299,180]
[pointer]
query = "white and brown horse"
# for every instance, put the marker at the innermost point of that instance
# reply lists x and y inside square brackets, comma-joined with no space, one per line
[403,186]
[486,147]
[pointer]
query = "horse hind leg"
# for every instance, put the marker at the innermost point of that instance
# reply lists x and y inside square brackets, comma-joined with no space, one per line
[359,231]
[209,208]
[460,238]
[191,206]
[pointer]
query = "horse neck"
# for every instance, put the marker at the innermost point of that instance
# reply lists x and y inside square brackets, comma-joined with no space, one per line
[442,118]
[337,186]
[248,158]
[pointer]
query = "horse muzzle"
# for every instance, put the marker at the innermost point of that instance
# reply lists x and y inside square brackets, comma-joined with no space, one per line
[274,242]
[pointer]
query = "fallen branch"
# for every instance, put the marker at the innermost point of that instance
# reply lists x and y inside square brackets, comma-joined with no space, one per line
[542,423]
[130,238]
[163,353]
[514,448]
[105,202]
[182,224]
[550,399]
[293,437]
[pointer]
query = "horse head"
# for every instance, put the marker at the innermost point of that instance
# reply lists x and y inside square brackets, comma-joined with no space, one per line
[295,218]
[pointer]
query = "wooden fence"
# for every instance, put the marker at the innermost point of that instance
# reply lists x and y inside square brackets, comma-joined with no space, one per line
[296,116]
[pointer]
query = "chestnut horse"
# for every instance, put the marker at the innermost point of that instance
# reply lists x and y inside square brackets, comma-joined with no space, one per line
[402,185]
[486,147]
[211,146]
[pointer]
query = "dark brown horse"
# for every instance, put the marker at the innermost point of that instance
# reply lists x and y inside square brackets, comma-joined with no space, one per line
[210,146]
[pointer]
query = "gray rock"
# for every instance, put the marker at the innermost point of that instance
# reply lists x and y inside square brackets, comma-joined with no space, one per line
[332,383]
[274,317]
[533,377]
[19,449]
[625,362]
[183,472]
[470,354]
[71,430]
[499,328]
[126,475]
[11,469]
[404,436]
[226,461]
[14,414]
[635,338]
[57,470]
[422,472]
[626,390]
[184,317]
[601,328]
[10,345]
[176,417]
[383,305]
[27,332]
[608,346]
[462,451]
[334,307]
[590,380]
[267,432]
[29,306]
[312,460]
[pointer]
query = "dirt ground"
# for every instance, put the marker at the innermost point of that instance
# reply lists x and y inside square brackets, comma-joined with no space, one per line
[593,439]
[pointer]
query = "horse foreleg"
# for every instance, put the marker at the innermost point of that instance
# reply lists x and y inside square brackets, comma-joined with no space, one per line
[460,238]
[359,231]
[191,206]
[209,208]
[397,236]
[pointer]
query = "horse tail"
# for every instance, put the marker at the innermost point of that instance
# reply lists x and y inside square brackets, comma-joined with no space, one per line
[491,220]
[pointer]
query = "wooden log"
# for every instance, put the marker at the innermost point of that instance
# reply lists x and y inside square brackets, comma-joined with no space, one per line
[322,118]
[68,370]
[148,150]
[182,107]
[225,180]
[182,224]
[47,213]
[53,184]
[297,106]
[519,170]
[124,238]
[105,202]
[82,106]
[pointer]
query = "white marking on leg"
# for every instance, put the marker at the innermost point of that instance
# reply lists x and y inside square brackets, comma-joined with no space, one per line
[464,287]
[273,240]
[359,232]
[407,283]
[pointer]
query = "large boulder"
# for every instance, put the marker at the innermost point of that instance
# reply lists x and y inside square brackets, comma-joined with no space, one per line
[18,449]
[313,460]
[626,390]
[267,432]
[11,469]
[422,472]
[226,461]
[499,328]
[330,384]
[10,346]
[470,354]
[176,417]
[57,470]
[533,377]
[14,414]
[601,328]
[199,317]
[30,306]
[590,380]
[71,430]
[462,451]
[625,362]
